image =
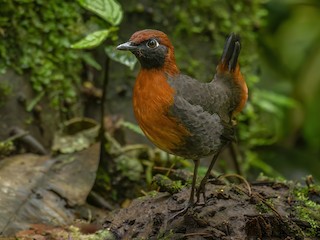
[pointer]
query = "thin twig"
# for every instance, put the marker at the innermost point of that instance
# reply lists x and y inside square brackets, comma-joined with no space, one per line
[17,136]
[241,178]
[143,192]
[259,197]
[164,169]
[134,147]
[197,234]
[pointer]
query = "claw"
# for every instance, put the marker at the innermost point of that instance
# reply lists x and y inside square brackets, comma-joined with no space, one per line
[181,211]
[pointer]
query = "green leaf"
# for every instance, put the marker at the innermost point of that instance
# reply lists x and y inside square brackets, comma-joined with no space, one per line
[108,10]
[133,127]
[35,101]
[88,59]
[278,99]
[255,161]
[92,40]
[123,57]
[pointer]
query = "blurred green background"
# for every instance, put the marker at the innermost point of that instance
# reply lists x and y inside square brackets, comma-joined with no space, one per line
[279,130]
[289,55]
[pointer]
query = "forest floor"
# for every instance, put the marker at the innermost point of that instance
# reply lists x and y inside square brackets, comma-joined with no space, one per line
[266,210]
[263,210]
[47,198]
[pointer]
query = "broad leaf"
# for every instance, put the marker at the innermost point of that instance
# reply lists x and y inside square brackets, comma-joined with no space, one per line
[123,57]
[37,189]
[88,59]
[92,40]
[77,134]
[108,10]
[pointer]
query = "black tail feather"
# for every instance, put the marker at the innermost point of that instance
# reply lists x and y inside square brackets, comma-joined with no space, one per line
[231,52]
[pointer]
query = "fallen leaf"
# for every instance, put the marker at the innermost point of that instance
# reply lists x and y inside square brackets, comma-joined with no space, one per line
[39,190]
[76,135]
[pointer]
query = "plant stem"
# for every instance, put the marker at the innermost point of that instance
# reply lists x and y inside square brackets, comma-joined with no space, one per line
[103,155]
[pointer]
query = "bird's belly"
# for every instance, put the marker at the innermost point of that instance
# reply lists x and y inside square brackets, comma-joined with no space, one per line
[164,131]
[170,135]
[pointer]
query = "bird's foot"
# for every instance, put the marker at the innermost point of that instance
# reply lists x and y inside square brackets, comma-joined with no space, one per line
[188,208]
[201,191]
[181,211]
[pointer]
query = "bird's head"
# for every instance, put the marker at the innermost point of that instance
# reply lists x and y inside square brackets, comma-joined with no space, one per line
[153,49]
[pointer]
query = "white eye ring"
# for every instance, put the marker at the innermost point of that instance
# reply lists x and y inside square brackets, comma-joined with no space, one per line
[152,43]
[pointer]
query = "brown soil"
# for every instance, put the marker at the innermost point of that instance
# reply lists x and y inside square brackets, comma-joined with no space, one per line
[266,211]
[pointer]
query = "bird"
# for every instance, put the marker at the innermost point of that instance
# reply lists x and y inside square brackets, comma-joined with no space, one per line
[179,114]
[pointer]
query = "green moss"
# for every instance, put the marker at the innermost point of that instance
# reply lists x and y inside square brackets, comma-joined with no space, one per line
[6,148]
[37,35]
[263,207]
[5,91]
[153,193]
[166,184]
[308,210]
[75,233]
[162,236]
[149,194]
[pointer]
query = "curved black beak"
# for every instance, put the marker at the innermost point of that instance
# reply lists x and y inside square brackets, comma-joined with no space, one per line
[128,46]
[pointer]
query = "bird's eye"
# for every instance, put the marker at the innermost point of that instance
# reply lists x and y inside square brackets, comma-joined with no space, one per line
[152,43]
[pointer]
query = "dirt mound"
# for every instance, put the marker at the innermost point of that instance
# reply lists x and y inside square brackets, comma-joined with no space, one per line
[264,210]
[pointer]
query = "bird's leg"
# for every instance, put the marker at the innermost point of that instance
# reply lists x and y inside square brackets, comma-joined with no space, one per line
[205,178]
[194,180]
[193,186]
[235,158]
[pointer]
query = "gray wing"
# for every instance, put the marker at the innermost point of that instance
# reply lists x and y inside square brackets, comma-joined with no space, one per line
[207,130]
[213,97]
